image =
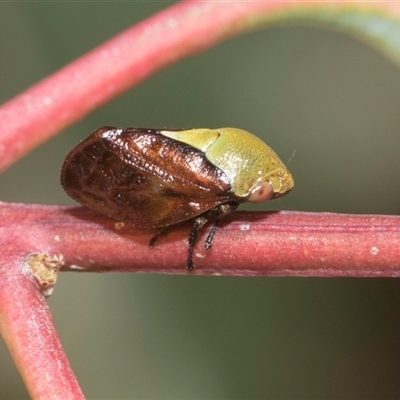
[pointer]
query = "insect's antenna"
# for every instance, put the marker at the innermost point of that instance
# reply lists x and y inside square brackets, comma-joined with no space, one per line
[290,158]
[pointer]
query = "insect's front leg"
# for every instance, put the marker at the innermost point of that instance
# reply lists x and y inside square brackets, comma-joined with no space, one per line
[210,236]
[217,213]
[199,223]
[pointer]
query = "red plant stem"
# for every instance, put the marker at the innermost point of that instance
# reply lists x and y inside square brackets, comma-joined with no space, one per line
[28,330]
[179,31]
[247,244]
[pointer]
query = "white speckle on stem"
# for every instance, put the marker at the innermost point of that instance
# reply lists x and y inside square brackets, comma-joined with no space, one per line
[76,267]
[374,250]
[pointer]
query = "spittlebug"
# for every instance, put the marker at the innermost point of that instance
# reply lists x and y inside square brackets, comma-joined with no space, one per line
[157,178]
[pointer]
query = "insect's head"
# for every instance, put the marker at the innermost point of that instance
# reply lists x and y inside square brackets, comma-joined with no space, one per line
[276,184]
[281,181]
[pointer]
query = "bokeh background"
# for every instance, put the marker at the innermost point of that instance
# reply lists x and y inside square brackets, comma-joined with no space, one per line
[322,99]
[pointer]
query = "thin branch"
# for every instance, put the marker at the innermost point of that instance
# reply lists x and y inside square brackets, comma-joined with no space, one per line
[180,31]
[27,327]
[247,244]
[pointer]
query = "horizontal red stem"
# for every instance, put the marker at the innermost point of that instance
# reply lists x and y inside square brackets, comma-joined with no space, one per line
[247,243]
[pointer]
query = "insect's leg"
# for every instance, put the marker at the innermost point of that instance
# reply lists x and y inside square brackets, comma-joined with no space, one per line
[197,225]
[211,234]
[160,232]
[217,213]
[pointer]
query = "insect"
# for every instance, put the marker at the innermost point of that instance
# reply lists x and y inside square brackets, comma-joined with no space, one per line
[158,178]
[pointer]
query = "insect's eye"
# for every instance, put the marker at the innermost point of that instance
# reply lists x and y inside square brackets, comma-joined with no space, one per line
[262,193]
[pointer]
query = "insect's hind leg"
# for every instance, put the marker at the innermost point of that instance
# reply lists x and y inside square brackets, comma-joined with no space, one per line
[160,232]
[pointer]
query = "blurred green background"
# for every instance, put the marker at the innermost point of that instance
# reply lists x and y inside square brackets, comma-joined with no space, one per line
[331,100]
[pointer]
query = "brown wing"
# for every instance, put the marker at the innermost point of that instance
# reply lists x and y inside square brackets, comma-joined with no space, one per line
[142,177]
